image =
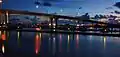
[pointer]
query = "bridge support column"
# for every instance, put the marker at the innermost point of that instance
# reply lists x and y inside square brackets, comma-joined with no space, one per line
[2,18]
[56,23]
[119,30]
[82,22]
[78,24]
[6,17]
[51,22]
[111,30]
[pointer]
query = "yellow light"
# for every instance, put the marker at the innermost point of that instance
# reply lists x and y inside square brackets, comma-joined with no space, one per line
[18,38]
[4,22]
[68,44]
[49,24]
[40,35]
[0,33]
[7,16]
[3,49]
[91,27]
[18,35]
[68,39]
[104,42]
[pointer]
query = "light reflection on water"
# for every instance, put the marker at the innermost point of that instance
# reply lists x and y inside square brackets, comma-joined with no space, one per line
[30,44]
[54,45]
[3,48]
[68,44]
[37,43]
[18,38]
[104,42]
[60,43]
[3,35]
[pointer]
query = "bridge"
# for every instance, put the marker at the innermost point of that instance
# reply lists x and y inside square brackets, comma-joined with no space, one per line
[5,14]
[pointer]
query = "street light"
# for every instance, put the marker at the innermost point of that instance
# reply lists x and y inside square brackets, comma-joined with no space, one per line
[37,3]
[1,1]
[37,6]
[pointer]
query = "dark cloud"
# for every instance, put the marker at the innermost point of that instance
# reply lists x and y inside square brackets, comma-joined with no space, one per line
[43,3]
[47,4]
[80,7]
[51,0]
[109,8]
[117,12]
[37,3]
[117,4]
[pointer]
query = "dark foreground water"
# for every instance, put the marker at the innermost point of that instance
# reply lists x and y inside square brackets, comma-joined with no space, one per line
[35,44]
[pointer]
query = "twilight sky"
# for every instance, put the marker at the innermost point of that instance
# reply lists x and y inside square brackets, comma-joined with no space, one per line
[64,7]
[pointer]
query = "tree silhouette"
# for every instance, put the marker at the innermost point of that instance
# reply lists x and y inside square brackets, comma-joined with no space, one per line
[86,16]
[101,16]
[96,17]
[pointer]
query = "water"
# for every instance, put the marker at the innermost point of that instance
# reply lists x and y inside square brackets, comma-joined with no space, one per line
[36,44]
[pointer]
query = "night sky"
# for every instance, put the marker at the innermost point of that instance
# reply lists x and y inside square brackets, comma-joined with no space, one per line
[64,7]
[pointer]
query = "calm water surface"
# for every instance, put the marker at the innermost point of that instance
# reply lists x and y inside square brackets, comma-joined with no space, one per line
[36,44]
